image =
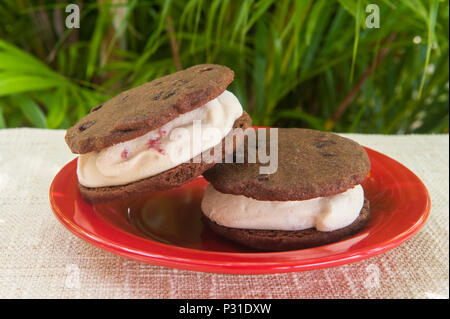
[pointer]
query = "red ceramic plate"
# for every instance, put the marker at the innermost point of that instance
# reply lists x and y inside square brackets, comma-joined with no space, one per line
[165,228]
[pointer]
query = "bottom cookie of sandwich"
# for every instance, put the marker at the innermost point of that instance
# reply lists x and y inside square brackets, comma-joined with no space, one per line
[279,240]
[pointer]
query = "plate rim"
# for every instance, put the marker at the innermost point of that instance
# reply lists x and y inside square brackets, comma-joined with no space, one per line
[239,267]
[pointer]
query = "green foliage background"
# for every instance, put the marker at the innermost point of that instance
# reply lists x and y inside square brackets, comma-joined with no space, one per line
[305,63]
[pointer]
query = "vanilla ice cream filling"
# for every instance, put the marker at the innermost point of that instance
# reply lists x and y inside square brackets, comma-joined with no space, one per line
[322,213]
[164,148]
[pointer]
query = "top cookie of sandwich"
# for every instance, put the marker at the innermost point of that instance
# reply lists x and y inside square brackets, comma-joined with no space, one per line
[144,108]
[311,164]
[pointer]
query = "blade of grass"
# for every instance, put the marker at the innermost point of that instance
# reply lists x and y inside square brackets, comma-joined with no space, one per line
[210,26]
[155,40]
[439,79]
[120,31]
[431,24]
[356,119]
[57,108]
[313,121]
[13,58]
[220,24]
[315,15]
[442,126]
[30,110]
[261,8]
[352,94]
[11,84]
[322,14]
[240,21]
[292,54]
[2,119]
[417,7]
[96,40]
[259,69]
[356,41]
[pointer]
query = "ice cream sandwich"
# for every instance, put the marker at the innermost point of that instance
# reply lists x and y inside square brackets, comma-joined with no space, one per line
[147,138]
[313,198]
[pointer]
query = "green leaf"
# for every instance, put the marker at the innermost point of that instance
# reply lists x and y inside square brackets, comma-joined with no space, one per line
[2,119]
[57,108]
[417,7]
[314,17]
[241,19]
[121,28]
[434,5]
[261,7]
[322,12]
[356,41]
[10,84]
[30,110]
[97,35]
[313,121]
[259,69]
[15,59]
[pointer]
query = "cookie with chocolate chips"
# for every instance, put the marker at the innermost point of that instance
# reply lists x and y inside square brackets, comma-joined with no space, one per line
[311,164]
[313,198]
[151,105]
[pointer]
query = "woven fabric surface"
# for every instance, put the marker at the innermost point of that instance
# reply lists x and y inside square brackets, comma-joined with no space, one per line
[39,258]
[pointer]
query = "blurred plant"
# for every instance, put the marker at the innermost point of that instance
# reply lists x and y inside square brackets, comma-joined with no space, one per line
[305,63]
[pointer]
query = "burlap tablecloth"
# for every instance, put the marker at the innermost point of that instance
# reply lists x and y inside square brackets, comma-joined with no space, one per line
[39,258]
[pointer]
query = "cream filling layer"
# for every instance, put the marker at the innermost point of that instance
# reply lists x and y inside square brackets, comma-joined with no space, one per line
[323,213]
[164,148]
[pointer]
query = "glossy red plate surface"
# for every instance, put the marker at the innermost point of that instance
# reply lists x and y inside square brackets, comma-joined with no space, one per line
[165,229]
